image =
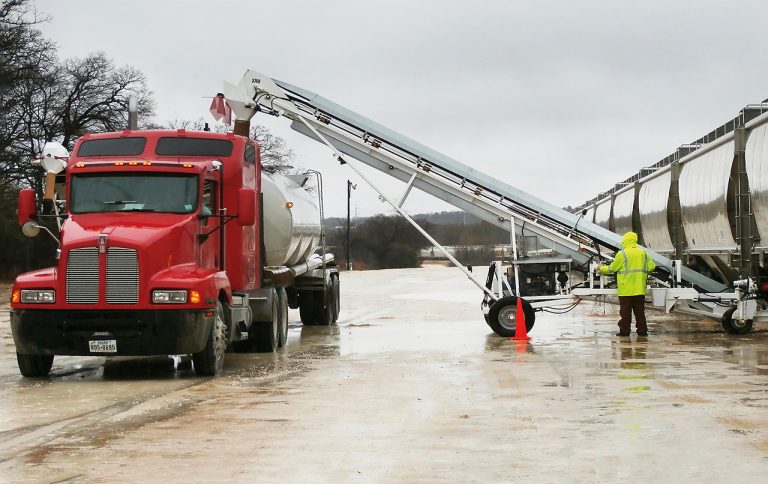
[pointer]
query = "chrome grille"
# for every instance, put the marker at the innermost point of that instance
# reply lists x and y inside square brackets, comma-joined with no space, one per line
[122,276]
[83,276]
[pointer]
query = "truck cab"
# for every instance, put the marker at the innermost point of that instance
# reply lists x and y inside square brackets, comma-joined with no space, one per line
[160,253]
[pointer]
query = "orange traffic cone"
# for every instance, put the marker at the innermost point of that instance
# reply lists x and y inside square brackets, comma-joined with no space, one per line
[521,332]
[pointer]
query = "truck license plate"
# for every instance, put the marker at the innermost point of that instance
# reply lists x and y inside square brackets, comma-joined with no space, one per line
[103,346]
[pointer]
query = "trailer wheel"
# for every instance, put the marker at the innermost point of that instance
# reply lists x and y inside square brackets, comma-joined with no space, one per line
[726,321]
[307,311]
[210,361]
[282,325]
[312,310]
[34,365]
[325,312]
[734,326]
[503,316]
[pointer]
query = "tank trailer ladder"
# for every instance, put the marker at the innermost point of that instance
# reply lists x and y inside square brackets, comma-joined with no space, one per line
[354,138]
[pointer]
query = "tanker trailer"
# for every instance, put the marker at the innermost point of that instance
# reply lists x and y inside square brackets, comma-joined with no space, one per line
[292,234]
[166,248]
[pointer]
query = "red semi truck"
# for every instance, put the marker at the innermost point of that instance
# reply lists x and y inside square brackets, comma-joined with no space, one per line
[172,243]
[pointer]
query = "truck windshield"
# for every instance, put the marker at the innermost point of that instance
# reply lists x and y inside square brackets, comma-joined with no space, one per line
[134,192]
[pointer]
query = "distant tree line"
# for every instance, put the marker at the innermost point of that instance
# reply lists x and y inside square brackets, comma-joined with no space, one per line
[390,241]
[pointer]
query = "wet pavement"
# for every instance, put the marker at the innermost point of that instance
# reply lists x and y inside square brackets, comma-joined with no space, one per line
[409,386]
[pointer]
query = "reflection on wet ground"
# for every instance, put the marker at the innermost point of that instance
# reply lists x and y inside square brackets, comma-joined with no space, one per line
[410,385]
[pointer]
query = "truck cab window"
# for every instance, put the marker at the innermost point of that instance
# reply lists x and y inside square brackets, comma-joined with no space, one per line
[209,200]
[250,154]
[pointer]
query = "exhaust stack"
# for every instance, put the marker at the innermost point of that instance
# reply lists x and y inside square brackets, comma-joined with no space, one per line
[133,113]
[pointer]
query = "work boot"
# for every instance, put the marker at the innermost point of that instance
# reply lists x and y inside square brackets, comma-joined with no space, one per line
[642,333]
[623,334]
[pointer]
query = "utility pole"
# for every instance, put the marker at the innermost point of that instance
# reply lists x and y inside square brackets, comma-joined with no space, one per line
[350,187]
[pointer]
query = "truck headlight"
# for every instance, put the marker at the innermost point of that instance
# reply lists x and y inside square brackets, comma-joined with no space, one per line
[38,296]
[166,296]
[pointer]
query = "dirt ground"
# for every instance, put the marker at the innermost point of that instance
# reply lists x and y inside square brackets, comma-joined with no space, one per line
[409,386]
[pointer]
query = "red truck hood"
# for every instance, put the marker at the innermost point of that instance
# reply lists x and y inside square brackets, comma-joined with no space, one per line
[155,234]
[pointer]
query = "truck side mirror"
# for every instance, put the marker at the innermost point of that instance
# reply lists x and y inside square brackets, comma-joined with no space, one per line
[246,207]
[25,207]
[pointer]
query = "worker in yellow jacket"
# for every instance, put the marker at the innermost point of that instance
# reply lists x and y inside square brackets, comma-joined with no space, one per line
[631,267]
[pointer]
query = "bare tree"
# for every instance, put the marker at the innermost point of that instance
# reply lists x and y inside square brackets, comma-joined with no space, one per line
[42,99]
[275,154]
[96,95]
[24,57]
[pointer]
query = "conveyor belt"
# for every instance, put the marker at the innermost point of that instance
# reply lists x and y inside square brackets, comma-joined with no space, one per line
[433,172]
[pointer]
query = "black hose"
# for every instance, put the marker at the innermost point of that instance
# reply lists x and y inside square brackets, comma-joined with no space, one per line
[562,311]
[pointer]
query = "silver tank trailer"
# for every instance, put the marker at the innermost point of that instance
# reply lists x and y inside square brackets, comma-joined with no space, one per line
[654,206]
[707,197]
[757,171]
[291,221]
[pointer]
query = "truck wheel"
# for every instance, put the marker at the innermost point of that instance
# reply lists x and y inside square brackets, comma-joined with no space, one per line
[282,325]
[336,297]
[34,365]
[503,316]
[734,326]
[210,361]
[265,334]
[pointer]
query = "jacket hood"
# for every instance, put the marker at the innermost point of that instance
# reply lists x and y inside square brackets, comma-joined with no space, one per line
[629,240]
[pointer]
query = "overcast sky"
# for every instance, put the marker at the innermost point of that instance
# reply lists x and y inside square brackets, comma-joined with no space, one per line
[560,99]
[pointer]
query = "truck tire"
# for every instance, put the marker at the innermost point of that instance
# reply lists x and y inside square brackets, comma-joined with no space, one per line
[282,325]
[34,365]
[502,316]
[336,297]
[210,361]
[264,335]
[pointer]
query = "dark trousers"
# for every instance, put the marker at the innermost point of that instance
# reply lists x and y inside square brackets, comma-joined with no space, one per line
[627,306]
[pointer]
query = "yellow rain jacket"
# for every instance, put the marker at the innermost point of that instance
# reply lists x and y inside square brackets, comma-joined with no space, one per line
[631,267]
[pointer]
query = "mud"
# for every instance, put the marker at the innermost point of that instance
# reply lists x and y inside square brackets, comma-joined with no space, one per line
[410,385]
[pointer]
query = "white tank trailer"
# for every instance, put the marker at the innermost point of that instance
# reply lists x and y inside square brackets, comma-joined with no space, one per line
[706,203]
[292,234]
[291,222]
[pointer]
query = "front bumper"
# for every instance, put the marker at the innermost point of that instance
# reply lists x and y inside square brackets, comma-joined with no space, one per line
[137,332]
